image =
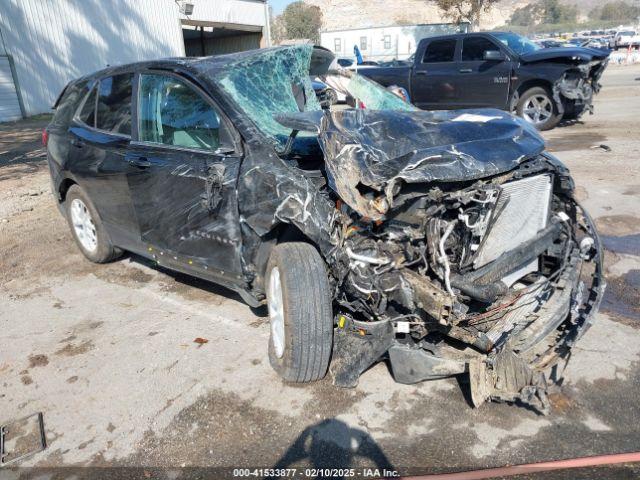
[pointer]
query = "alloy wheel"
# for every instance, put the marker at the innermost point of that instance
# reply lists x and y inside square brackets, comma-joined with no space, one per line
[83,225]
[538,109]
[276,312]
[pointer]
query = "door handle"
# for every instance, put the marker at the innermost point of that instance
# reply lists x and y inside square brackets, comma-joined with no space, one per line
[139,162]
[421,72]
[76,142]
[466,70]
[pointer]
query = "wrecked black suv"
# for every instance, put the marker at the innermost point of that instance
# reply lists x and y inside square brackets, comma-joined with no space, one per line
[448,243]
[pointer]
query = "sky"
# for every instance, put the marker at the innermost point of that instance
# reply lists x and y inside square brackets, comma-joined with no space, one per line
[279,5]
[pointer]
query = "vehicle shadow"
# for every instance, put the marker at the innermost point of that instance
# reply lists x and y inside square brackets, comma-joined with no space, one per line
[330,448]
[569,123]
[194,282]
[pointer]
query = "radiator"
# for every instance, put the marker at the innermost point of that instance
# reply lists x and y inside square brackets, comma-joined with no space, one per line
[522,210]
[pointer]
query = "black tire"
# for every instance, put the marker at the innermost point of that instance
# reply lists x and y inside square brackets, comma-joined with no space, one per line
[553,120]
[307,311]
[332,97]
[104,251]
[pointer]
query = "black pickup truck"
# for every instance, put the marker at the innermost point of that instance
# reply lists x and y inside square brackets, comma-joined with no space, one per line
[501,70]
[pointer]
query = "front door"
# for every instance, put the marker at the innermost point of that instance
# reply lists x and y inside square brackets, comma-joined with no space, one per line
[433,78]
[183,172]
[483,83]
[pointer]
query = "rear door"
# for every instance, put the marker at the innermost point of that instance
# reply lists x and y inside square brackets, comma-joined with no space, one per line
[184,168]
[482,83]
[99,137]
[433,79]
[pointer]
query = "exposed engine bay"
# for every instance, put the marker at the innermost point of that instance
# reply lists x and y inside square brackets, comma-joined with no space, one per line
[476,265]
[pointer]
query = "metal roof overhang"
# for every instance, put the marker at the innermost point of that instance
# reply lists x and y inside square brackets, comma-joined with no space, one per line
[222,25]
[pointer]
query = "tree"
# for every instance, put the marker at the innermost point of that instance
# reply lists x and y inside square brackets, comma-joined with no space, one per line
[276,27]
[466,10]
[300,20]
[556,12]
[617,11]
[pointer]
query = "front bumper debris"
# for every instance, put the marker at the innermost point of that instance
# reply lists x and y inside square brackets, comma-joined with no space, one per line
[527,350]
[574,91]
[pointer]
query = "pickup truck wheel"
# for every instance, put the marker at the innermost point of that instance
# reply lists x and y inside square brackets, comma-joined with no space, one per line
[332,97]
[538,107]
[300,313]
[87,229]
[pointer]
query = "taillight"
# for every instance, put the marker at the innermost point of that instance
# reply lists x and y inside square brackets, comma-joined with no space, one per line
[45,137]
[361,105]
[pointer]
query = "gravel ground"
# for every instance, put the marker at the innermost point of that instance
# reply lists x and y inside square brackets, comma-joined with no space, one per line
[107,352]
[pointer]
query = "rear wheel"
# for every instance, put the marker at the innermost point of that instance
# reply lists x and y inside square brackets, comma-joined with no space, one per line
[537,107]
[87,229]
[300,312]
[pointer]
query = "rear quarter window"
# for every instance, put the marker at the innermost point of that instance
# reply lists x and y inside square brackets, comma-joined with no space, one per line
[69,102]
[114,104]
[88,113]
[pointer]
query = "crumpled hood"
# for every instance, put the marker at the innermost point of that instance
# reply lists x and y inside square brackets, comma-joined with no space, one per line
[581,54]
[369,151]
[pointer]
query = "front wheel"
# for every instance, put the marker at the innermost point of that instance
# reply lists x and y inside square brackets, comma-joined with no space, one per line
[537,107]
[300,313]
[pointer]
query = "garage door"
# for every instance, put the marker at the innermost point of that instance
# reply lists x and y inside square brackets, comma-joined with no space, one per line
[9,104]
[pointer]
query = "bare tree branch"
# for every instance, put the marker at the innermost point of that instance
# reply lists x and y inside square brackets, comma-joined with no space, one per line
[465,10]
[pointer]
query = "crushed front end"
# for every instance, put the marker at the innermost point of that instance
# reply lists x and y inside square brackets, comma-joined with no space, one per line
[496,280]
[574,90]
[460,250]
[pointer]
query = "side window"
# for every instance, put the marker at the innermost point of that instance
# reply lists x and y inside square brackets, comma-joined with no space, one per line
[440,51]
[172,113]
[473,48]
[88,113]
[114,104]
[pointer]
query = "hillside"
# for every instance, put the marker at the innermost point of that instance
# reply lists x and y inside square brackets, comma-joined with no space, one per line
[344,14]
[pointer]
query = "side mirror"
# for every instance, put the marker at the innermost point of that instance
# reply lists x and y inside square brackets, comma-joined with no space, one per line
[494,56]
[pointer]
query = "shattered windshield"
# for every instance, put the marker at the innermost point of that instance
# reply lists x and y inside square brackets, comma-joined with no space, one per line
[277,81]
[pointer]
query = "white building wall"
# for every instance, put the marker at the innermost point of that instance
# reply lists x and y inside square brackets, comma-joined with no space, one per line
[55,41]
[402,40]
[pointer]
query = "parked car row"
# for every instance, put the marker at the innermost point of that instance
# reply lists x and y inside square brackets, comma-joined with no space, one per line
[599,39]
